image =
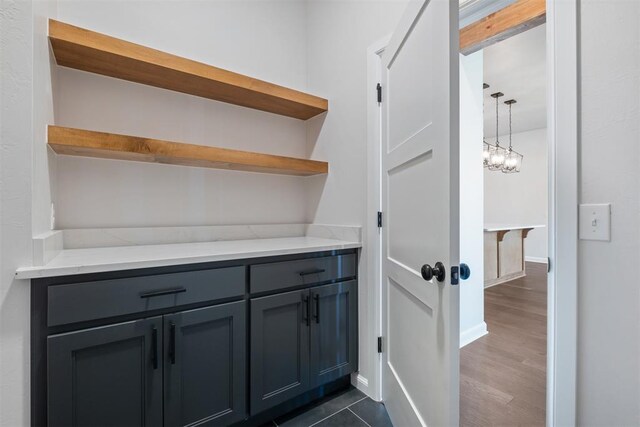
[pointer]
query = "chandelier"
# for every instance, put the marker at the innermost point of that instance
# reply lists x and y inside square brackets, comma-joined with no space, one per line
[497,154]
[495,157]
[486,147]
[513,159]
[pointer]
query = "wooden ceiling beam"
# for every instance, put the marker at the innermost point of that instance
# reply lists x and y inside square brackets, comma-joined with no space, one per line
[507,22]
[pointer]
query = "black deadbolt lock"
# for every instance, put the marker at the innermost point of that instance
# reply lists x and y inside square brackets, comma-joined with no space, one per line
[439,272]
[465,271]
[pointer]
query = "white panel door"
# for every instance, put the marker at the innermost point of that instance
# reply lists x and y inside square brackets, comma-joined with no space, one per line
[420,140]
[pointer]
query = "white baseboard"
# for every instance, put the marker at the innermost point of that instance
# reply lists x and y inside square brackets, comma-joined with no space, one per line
[361,383]
[362,380]
[472,334]
[539,260]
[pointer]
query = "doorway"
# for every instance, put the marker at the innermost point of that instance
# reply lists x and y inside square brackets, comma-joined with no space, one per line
[562,125]
[503,305]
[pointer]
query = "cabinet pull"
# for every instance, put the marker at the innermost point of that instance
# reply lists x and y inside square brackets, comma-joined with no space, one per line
[305,309]
[154,347]
[172,343]
[162,292]
[316,297]
[314,271]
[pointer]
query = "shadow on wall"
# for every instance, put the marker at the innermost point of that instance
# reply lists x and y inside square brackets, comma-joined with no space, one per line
[314,127]
[315,185]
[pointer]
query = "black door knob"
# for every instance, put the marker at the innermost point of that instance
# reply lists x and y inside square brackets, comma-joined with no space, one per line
[439,272]
[465,271]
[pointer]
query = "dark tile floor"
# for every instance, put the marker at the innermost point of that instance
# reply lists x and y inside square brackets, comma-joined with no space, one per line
[349,408]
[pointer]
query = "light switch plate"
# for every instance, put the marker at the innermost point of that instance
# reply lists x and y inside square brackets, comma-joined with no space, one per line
[595,222]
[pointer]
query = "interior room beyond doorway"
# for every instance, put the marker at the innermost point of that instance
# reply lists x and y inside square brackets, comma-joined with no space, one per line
[503,306]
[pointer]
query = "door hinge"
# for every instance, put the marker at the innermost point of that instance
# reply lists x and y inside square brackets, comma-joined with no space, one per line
[379,90]
[379,344]
[379,219]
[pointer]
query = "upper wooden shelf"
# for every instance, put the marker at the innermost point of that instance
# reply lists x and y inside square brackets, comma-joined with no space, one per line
[79,142]
[87,50]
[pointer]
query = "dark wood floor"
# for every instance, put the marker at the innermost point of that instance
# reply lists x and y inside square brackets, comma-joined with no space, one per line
[503,374]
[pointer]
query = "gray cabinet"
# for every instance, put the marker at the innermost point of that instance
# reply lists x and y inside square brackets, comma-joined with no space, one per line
[334,329]
[205,382]
[107,376]
[113,375]
[279,348]
[301,340]
[99,299]
[181,347]
[274,276]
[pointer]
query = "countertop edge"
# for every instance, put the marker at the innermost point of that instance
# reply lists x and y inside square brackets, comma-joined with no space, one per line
[511,227]
[38,272]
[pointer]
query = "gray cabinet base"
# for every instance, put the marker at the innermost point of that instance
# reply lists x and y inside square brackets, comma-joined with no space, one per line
[211,333]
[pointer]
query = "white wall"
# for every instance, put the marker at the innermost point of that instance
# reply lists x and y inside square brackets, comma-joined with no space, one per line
[16,74]
[339,33]
[608,286]
[25,192]
[521,197]
[264,39]
[44,87]
[472,325]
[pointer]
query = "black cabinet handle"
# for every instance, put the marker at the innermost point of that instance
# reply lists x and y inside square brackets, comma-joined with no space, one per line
[314,271]
[154,347]
[162,292]
[305,309]
[172,343]
[316,297]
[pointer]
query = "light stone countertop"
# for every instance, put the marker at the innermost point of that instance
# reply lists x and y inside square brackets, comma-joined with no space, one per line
[502,227]
[115,258]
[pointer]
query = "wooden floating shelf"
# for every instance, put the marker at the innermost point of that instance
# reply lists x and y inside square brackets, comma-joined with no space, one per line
[86,50]
[86,143]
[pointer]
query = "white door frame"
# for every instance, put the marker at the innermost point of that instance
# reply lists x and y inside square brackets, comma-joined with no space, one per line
[562,134]
[373,235]
[562,137]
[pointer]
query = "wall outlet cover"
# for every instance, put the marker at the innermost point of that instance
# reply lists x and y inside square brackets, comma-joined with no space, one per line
[595,222]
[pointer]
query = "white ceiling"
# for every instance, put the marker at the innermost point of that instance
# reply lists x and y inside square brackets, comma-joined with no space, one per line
[516,67]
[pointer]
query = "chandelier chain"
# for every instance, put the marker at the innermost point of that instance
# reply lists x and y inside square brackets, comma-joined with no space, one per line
[497,141]
[510,125]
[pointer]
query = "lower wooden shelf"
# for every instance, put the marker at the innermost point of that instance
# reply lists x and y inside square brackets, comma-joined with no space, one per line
[86,143]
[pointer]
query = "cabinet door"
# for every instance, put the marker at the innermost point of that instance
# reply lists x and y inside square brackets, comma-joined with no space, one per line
[279,348]
[106,376]
[334,332]
[205,366]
